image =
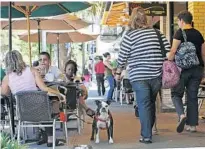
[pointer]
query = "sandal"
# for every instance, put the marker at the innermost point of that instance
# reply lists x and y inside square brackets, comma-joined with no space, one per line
[181,125]
[90,112]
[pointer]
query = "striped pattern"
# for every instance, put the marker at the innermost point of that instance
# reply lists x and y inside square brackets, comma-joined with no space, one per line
[141,49]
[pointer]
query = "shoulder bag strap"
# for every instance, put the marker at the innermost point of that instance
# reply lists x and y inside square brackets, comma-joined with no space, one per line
[184,35]
[161,43]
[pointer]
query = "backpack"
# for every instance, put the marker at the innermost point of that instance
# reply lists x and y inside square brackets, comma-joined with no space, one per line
[186,56]
[170,72]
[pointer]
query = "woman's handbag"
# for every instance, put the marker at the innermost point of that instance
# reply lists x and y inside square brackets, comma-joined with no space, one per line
[170,72]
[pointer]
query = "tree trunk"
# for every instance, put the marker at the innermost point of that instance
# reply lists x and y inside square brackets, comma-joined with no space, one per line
[62,56]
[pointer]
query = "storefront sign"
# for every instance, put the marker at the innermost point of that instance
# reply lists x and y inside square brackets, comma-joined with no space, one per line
[151,9]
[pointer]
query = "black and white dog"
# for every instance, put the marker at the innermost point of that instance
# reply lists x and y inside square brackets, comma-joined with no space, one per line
[102,120]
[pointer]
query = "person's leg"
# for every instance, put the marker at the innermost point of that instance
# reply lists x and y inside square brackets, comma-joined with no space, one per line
[155,88]
[177,94]
[192,99]
[98,79]
[102,84]
[142,90]
[111,85]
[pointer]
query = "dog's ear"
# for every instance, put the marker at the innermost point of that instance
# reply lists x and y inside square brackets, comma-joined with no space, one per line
[97,102]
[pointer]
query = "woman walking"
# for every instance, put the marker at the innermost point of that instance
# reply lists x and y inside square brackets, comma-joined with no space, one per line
[140,48]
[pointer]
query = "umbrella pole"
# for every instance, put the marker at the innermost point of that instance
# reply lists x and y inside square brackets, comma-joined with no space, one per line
[10,27]
[58,50]
[39,37]
[29,43]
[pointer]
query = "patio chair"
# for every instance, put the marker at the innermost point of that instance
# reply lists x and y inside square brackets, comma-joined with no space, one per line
[201,98]
[126,87]
[72,91]
[6,114]
[33,109]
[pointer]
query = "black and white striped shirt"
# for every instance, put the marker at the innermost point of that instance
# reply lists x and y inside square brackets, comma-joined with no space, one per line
[140,48]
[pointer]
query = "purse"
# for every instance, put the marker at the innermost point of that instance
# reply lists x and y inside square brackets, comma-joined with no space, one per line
[170,72]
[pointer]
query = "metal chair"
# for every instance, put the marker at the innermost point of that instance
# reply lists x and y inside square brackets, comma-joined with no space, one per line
[6,114]
[72,91]
[126,87]
[34,110]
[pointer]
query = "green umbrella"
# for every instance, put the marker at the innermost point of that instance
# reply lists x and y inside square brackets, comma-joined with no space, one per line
[39,9]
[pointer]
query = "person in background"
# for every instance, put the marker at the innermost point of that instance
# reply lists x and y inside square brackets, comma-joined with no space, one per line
[70,73]
[140,49]
[20,77]
[99,71]
[190,78]
[109,75]
[87,78]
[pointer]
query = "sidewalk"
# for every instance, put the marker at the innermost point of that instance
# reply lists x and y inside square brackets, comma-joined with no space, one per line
[127,132]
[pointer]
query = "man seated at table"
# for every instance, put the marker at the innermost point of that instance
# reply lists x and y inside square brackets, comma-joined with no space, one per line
[50,73]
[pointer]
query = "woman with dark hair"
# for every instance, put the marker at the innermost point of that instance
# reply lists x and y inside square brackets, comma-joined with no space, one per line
[109,75]
[70,72]
[140,48]
[190,77]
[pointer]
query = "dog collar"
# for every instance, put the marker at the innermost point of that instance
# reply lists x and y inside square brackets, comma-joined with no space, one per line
[101,120]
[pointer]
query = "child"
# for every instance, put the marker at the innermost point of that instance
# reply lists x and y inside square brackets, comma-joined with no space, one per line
[70,72]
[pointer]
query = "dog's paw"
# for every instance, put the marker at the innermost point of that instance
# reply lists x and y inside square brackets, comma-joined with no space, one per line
[92,138]
[111,141]
[97,141]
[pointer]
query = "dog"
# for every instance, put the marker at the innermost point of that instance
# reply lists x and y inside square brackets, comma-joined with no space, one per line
[102,120]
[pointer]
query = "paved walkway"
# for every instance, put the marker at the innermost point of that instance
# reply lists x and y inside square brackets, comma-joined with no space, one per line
[127,131]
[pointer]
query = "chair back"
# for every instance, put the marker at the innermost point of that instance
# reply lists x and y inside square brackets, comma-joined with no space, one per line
[33,106]
[127,84]
[71,96]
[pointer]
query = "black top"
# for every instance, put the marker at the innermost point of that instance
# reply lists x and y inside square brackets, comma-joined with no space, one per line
[193,36]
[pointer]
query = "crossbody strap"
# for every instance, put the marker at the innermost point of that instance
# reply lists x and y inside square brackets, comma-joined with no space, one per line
[161,43]
[184,35]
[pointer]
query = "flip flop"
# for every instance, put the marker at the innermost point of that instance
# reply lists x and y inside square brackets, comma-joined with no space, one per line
[181,125]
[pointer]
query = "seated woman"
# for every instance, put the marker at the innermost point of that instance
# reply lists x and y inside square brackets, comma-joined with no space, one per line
[70,72]
[20,77]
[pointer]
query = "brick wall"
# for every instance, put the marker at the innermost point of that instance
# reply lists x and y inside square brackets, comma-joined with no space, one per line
[198,11]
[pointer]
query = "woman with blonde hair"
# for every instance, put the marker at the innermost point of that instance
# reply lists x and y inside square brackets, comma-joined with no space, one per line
[140,48]
[20,77]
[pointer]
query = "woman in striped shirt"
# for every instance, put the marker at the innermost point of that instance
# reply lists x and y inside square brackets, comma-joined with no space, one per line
[140,48]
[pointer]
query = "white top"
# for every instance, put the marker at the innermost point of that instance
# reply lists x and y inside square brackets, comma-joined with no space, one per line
[53,74]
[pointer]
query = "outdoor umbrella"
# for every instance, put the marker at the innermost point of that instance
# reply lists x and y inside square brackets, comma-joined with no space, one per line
[61,22]
[56,38]
[39,9]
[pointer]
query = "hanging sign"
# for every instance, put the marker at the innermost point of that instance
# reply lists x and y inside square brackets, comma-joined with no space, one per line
[151,9]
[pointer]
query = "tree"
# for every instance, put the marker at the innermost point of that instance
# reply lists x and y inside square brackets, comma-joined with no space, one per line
[17,44]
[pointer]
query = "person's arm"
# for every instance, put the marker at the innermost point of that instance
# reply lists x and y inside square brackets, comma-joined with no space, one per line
[175,45]
[95,68]
[108,65]
[178,38]
[41,84]
[5,86]
[124,53]
[203,52]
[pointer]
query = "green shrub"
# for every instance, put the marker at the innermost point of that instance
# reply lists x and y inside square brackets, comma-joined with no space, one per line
[7,143]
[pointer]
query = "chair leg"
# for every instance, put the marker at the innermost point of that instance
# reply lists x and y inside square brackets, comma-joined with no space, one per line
[10,124]
[78,121]
[126,97]
[200,103]
[121,92]
[66,132]
[54,134]
[19,131]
